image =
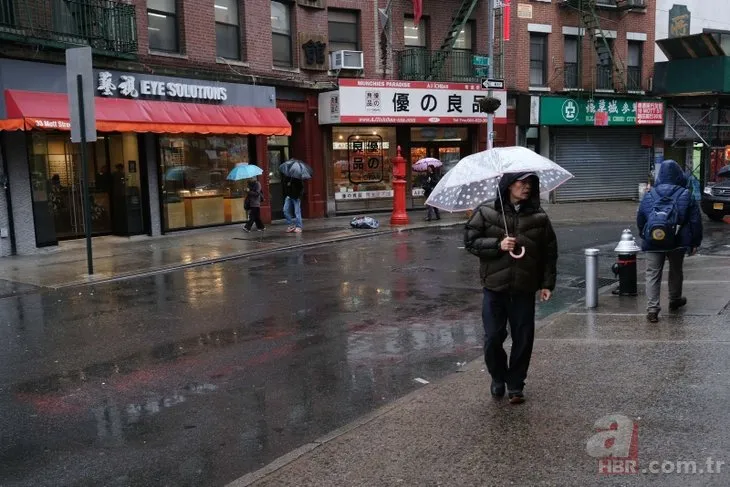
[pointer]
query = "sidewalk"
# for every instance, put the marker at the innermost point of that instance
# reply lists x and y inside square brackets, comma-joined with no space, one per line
[119,257]
[670,379]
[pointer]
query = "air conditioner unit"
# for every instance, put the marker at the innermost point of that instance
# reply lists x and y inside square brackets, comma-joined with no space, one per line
[636,3]
[346,60]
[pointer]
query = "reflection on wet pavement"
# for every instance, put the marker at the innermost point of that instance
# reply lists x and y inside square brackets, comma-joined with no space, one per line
[199,376]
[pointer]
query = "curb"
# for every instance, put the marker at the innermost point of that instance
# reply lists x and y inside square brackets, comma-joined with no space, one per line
[239,255]
[284,460]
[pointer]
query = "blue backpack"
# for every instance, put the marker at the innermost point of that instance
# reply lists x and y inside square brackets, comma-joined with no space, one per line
[663,222]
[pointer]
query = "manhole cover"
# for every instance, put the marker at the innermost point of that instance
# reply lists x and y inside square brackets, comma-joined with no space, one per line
[602,281]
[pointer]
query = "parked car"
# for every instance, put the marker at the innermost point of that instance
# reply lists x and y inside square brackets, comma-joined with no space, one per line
[716,196]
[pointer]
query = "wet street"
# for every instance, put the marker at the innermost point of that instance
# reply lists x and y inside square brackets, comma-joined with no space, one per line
[197,377]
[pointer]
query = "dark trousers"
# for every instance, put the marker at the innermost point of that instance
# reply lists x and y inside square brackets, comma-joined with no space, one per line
[254,216]
[519,310]
[432,210]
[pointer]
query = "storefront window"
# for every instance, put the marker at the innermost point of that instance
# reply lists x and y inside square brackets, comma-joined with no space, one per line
[193,171]
[362,162]
[56,183]
[446,144]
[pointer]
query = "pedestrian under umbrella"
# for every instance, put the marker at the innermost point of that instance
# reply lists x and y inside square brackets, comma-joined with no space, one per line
[297,169]
[518,252]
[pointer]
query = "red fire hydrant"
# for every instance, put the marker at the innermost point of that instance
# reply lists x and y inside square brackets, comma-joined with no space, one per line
[399,216]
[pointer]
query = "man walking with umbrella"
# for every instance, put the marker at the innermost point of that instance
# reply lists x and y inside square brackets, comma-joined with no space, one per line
[293,192]
[294,172]
[516,246]
[518,253]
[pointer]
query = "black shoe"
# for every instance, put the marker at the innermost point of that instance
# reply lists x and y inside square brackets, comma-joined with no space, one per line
[427,219]
[516,397]
[675,304]
[247,230]
[652,317]
[497,389]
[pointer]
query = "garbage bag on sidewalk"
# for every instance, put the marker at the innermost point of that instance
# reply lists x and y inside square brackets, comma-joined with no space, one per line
[364,222]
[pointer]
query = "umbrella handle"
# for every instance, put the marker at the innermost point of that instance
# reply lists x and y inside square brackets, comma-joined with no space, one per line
[518,256]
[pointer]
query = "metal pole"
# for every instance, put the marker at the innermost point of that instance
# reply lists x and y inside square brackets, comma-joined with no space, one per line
[85,176]
[490,70]
[591,278]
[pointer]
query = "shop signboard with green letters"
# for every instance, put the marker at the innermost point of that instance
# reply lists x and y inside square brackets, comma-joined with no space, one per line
[600,111]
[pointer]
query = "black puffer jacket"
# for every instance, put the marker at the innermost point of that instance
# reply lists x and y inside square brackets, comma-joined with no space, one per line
[485,230]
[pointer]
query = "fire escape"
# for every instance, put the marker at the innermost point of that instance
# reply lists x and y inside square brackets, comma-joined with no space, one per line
[457,25]
[610,69]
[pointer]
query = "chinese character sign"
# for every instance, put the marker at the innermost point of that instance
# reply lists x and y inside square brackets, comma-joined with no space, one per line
[600,111]
[392,101]
[366,156]
[649,113]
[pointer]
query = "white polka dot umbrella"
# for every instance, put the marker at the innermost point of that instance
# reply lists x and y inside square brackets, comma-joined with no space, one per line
[475,179]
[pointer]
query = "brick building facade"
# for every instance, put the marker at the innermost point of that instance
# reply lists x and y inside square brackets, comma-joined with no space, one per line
[182,39]
[562,19]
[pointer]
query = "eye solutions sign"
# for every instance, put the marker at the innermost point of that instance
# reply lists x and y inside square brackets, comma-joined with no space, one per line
[129,86]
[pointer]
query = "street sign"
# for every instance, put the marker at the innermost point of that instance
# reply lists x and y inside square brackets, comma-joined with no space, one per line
[78,62]
[82,112]
[492,84]
[480,61]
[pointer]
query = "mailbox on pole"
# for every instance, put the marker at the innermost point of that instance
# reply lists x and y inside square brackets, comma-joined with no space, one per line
[81,108]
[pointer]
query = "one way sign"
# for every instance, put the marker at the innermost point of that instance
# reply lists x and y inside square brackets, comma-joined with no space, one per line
[492,84]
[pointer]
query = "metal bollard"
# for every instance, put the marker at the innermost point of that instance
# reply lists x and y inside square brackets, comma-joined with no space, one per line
[591,278]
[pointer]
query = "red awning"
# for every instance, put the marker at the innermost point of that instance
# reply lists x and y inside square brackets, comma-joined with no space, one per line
[12,124]
[49,111]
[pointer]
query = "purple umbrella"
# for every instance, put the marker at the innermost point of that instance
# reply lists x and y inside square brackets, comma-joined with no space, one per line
[422,165]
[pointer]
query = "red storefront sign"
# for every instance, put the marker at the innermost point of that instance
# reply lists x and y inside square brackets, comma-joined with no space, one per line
[649,113]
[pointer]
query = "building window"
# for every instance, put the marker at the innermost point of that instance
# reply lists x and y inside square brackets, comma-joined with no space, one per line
[722,37]
[465,39]
[461,60]
[604,66]
[7,13]
[415,60]
[162,25]
[343,30]
[572,65]
[193,171]
[538,59]
[227,34]
[414,35]
[634,65]
[281,34]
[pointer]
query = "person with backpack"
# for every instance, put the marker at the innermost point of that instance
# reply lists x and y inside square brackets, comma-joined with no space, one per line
[670,226]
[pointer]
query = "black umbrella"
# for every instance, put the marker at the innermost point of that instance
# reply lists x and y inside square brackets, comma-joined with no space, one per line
[294,168]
